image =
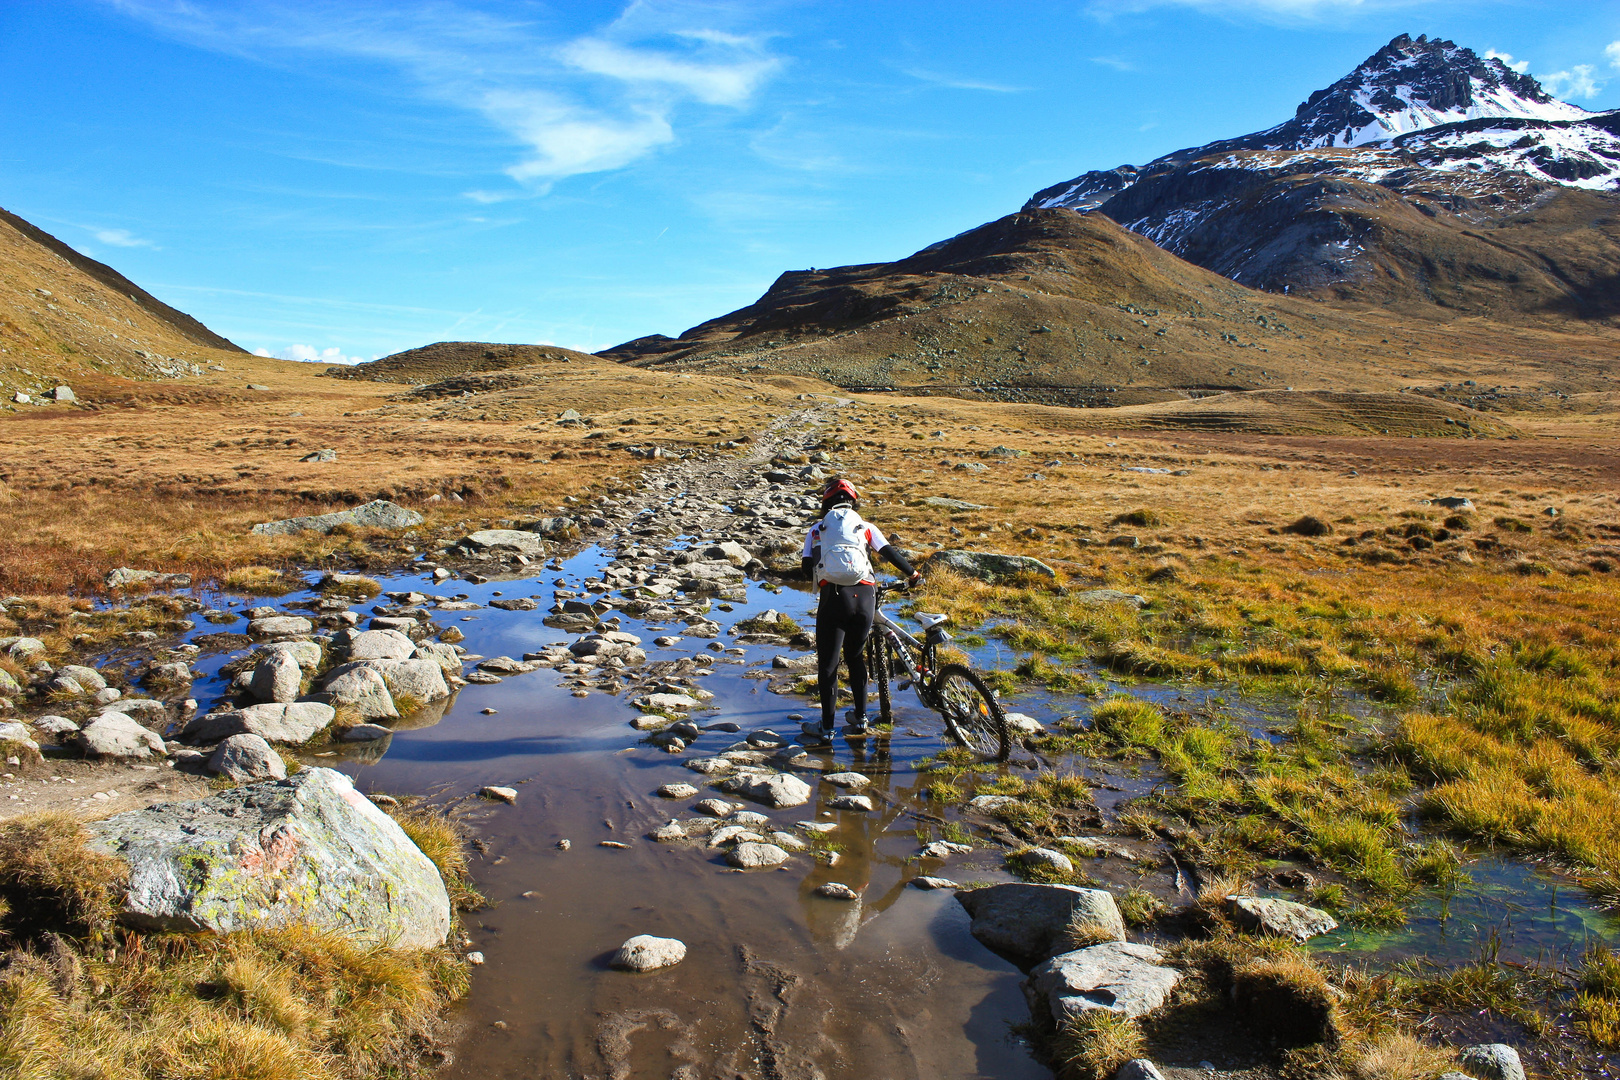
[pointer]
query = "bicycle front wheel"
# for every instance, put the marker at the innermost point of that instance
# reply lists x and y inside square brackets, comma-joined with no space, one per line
[973,716]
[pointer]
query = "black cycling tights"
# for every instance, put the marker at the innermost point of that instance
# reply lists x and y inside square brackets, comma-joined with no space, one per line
[843,620]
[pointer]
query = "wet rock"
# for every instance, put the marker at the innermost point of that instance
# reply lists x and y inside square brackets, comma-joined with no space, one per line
[365,733]
[778,790]
[847,780]
[944,849]
[107,695]
[787,841]
[669,702]
[925,882]
[729,550]
[175,674]
[309,849]
[734,834]
[1140,1069]
[677,791]
[521,603]
[440,653]
[276,678]
[280,626]
[506,540]
[9,686]
[503,794]
[145,710]
[989,566]
[650,722]
[835,890]
[1493,1061]
[1280,918]
[990,804]
[307,654]
[754,856]
[1118,976]
[291,723]
[850,802]
[1024,724]
[647,953]
[119,737]
[245,758]
[712,766]
[505,665]
[715,808]
[1025,921]
[377,514]
[1100,845]
[670,833]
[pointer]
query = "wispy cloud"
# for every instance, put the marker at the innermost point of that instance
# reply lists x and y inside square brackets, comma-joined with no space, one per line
[953,82]
[589,104]
[1578,82]
[1521,66]
[1612,51]
[122,238]
[1113,62]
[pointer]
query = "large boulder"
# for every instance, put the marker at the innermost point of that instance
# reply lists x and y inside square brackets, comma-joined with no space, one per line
[1280,918]
[514,541]
[280,626]
[644,952]
[779,790]
[422,680]
[124,577]
[247,757]
[989,565]
[1026,922]
[377,514]
[306,850]
[440,653]
[1117,976]
[375,644]
[289,723]
[277,677]
[120,737]
[21,648]
[307,654]
[361,687]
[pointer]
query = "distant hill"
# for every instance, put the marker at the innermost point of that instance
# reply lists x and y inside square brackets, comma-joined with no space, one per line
[1428,178]
[1057,306]
[443,359]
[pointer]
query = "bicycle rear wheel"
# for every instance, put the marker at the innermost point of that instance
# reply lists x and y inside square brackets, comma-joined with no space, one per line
[973,716]
[877,665]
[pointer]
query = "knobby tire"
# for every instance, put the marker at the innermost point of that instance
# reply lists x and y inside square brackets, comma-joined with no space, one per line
[877,664]
[973,716]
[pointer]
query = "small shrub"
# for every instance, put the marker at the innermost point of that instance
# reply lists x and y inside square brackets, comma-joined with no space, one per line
[1142,518]
[1309,525]
[1093,1045]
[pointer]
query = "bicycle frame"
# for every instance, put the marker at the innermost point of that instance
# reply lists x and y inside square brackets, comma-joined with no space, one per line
[915,656]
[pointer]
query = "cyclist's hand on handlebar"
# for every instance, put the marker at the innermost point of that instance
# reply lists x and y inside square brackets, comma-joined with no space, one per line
[915,580]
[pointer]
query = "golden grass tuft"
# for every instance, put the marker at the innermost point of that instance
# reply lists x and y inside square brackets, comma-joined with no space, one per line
[1398,1056]
[1094,1044]
[1082,933]
[443,839]
[51,882]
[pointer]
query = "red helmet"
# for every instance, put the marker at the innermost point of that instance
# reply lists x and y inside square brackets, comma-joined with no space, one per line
[839,486]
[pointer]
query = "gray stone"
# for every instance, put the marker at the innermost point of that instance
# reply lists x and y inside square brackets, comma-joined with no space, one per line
[440,653]
[247,757]
[927,882]
[677,791]
[837,890]
[88,678]
[672,702]
[1493,1061]
[145,710]
[118,736]
[1027,922]
[506,540]
[1109,596]
[1118,976]
[277,677]
[1140,1069]
[853,780]
[21,648]
[175,674]
[1280,918]
[647,953]
[9,686]
[1024,724]
[107,695]
[715,807]
[306,654]
[952,504]
[305,850]
[990,804]
[280,626]
[943,849]
[377,514]
[57,727]
[1455,502]
[1039,856]
[850,802]
[376,645]
[320,456]
[124,577]
[17,741]
[63,684]
[778,790]
[504,794]
[64,394]
[290,723]
[753,855]
[988,565]
[731,551]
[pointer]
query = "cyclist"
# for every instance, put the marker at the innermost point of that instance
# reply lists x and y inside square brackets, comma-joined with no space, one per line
[837,557]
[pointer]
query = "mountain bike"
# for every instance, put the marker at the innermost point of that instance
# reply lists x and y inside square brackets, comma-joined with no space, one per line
[973,716]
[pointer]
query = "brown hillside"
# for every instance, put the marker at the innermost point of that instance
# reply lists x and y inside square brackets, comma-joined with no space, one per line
[1060,306]
[443,359]
[67,319]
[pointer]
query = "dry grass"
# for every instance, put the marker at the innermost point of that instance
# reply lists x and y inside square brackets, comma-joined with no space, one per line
[1094,1044]
[443,839]
[50,883]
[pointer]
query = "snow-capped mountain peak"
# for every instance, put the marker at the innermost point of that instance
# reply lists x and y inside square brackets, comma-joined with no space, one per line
[1410,85]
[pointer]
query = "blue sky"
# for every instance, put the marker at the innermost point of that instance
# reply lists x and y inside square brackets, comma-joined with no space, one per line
[348,180]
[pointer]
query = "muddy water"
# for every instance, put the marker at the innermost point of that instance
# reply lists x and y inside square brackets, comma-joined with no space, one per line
[777,981]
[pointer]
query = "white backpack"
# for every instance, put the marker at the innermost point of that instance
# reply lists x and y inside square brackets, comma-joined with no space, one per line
[843,548]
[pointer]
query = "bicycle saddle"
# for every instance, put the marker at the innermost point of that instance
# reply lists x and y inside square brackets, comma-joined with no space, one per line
[931,620]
